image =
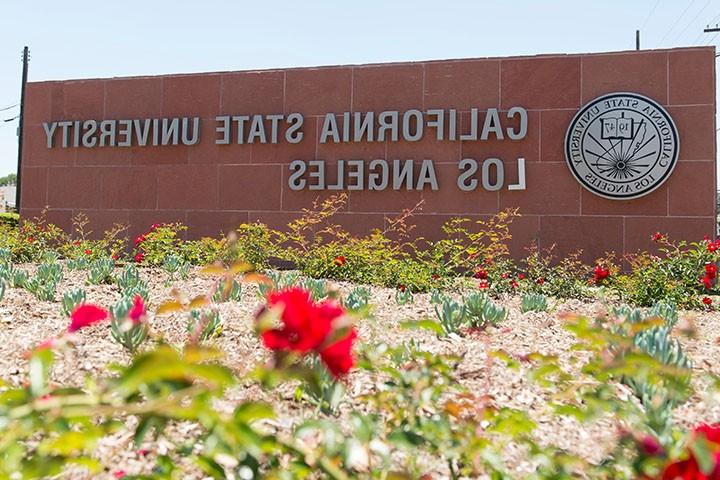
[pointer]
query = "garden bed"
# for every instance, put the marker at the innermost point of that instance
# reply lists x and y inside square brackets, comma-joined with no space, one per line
[26,321]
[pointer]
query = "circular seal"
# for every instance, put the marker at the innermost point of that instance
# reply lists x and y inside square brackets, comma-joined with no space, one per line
[622,146]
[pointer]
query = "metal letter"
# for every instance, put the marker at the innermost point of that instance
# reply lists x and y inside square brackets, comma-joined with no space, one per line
[49,131]
[295,181]
[520,185]
[499,181]
[469,167]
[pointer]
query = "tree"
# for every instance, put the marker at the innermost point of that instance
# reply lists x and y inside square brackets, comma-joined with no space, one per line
[10,179]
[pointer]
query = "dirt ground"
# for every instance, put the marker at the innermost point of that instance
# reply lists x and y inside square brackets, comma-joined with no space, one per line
[25,321]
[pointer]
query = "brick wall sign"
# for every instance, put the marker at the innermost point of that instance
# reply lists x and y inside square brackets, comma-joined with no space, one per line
[597,151]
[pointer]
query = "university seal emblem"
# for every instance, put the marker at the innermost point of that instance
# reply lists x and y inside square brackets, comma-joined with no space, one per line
[622,146]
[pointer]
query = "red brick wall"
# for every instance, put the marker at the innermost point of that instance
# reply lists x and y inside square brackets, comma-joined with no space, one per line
[213,188]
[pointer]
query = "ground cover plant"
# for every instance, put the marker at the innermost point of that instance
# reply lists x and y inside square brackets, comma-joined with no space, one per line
[184,359]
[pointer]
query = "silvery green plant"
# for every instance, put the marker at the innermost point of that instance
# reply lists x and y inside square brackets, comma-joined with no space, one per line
[128,334]
[534,302]
[79,263]
[2,289]
[451,315]
[49,256]
[5,256]
[403,296]
[278,281]
[317,288]
[100,271]
[222,294]
[71,299]
[173,264]
[131,284]
[17,277]
[327,394]
[358,298]
[204,325]
[481,311]
[436,296]
[45,281]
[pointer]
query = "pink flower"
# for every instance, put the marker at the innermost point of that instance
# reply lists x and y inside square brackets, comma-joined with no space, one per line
[119,474]
[138,310]
[85,315]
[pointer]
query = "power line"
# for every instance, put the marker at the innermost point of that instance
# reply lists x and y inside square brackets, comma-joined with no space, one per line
[692,2]
[650,14]
[692,21]
[11,119]
[8,108]
[701,34]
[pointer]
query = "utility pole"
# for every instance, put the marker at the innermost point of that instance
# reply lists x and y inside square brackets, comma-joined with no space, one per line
[637,39]
[25,61]
[710,29]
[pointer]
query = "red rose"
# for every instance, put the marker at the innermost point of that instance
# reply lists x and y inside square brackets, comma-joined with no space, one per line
[115,256]
[657,236]
[338,357]
[86,315]
[712,247]
[514,284]
[707,301]
[139,257]
[88,252]
[483,284]
[139,239]
[155,226]
[521,276]
[339,261]
[480,274]
[540,281]
[707,282]
[600,273]
[138,310]
[306,325]
[711,270]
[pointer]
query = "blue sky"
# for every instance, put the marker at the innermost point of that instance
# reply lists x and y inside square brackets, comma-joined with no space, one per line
[80,39]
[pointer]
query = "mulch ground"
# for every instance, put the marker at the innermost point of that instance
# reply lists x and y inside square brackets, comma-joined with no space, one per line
[25,321]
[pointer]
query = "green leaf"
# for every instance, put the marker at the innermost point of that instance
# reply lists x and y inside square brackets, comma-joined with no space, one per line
[702,451]
[40,363]
[426,324]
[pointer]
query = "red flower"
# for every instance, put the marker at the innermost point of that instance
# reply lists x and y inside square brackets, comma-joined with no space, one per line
[540,281]
[711,270]
[338,357]
[88,252]
[710,432]
[514,284]
[650,446]
[712,247]
[139,257]
[435,276]
[402,287]
[119,474]
[76,242]
[707,301]
[480,274]
[339,261]
[483,284]
[139,239]
[600,273]
[115,256]
[86,315]
[505,275]
[30,239]
[155,226]
[138,310]
[306,325]
[707,282]
[46,344]
[521,276]
[657,236]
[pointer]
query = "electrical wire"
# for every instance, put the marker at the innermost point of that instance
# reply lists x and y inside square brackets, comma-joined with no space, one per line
[697,15]
[8,108]
[650,14]
[692,2]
